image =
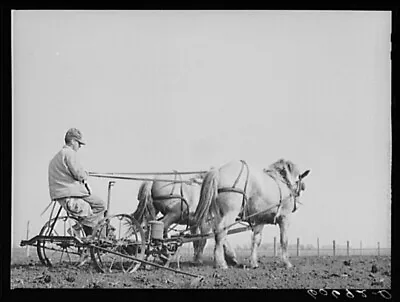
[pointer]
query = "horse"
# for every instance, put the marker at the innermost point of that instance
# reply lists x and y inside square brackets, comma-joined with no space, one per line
[176,200]
[264,196]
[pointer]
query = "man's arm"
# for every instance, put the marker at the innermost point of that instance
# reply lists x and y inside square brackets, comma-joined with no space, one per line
[74,166]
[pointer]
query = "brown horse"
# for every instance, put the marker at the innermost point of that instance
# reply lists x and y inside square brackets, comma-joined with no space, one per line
[264,196]
[176,200]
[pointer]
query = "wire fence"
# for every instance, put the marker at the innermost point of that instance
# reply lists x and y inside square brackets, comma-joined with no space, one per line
[274,250]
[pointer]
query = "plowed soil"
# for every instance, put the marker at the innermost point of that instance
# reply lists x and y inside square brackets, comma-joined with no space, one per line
[325,272]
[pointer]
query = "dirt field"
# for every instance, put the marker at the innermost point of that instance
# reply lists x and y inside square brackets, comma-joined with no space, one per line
[355,272]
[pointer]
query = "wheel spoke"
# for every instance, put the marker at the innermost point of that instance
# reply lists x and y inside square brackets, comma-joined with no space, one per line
[120,240]
[69,258]
[62,253]
[55,252]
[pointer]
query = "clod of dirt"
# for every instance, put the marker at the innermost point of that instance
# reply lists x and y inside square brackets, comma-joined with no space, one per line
[347,263]
[334,275]
[70,279]
[377,282]
[19,281]
[193,283]
[374,269]
[114,284]
[44,278]
[94,285]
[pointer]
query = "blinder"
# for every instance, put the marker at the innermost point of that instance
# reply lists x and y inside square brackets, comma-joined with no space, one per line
[300,186]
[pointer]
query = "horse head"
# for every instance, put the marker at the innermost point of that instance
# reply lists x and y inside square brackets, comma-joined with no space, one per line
[291,175]
[287,171]
[300,186]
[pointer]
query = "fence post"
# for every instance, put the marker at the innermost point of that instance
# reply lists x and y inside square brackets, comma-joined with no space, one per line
[334,248]
[379,249]
[318,247]
[348,248]
[274,246]
[27,238]
[298,247]
[360,247]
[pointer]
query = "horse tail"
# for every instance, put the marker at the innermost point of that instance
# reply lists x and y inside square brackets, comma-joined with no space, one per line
[145,207]
[208,195]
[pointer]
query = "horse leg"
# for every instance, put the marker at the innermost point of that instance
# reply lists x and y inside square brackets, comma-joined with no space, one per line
[284,225]
[167,220]
[230,254]
[255,243]
[200,244]
[222,246]
[195,231]
[219,258]
[176,257]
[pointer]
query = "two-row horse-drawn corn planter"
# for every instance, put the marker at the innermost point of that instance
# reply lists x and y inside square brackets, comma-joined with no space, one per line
[118,243]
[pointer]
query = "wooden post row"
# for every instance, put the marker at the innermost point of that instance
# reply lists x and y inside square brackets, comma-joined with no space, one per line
[27,238]
[334,248]
[298,247]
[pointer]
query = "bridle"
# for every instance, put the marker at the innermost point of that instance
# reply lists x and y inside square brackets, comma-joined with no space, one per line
[295,189]
[296,193]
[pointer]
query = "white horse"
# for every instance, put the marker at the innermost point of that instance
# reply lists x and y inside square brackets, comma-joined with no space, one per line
[265,196]
[176,200]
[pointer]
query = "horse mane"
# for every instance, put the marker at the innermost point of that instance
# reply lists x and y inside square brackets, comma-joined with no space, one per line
[279,169]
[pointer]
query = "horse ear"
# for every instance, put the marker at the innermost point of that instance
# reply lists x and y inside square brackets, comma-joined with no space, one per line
[289,166]
[304,174]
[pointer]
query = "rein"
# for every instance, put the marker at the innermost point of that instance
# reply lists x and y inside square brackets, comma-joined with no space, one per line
[151,173]
[189,182]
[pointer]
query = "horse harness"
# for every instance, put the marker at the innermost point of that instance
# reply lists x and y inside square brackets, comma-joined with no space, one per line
[173,196]
[293,193]
[242,214]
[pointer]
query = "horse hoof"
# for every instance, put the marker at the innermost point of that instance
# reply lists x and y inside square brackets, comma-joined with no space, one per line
[224,267]
[238,265]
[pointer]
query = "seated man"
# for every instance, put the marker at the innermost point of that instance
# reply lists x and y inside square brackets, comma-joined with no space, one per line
[67,184]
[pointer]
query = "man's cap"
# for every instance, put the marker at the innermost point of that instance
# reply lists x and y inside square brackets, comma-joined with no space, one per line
[74,133]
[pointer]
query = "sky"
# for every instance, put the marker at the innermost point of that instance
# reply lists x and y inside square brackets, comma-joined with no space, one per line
[156,91]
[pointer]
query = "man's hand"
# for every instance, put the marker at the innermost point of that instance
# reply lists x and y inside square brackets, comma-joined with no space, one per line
[87,187]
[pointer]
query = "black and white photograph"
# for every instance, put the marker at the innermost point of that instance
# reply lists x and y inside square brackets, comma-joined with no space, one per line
[202,149]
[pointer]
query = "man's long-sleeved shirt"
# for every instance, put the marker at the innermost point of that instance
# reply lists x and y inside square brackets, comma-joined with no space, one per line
[66,175]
